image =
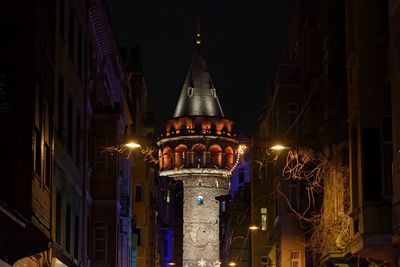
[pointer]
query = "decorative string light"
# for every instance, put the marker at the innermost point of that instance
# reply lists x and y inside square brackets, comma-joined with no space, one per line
[240,152]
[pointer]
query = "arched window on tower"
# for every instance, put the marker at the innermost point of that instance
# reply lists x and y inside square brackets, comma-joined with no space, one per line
[167,162]
[163,131]
[229,157]
[180,155]
[183,129]
[200,200]
[160,159]
[213,129]
[224,130]
[197,128]
[198,150]
[216,156]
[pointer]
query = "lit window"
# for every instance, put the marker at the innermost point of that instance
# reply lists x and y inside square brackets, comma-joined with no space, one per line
[168,198]
[263,219]
[295,259]
[223,206]
[200,200]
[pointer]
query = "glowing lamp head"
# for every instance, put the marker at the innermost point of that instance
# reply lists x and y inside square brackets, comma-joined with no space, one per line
[253,227]
[132,145]
[279,147]
[232,263]
[171,263]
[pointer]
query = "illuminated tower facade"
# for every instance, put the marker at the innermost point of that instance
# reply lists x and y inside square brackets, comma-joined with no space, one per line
[198,147]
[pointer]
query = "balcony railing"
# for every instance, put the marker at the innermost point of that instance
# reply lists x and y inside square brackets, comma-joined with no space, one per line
[201,131]
[190,159]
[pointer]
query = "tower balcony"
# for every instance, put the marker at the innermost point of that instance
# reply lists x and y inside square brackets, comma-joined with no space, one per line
[197,145]
[184,154]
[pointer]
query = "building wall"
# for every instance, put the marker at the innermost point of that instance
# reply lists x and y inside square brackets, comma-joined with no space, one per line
[26,86]
[262,207]
[369,128]
[110,123]
[305,110]
[169,220]
[394,56]
[144,212]
[201,221]
[235,211]
[69,120]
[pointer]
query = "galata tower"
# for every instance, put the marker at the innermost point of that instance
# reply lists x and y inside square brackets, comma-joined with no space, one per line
[198,147]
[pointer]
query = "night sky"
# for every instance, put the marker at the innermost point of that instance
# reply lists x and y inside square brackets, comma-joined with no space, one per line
[243,43]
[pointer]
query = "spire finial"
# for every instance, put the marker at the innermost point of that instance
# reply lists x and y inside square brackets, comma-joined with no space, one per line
[198,39]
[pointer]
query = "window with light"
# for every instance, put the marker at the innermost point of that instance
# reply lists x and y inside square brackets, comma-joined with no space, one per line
[263,219]
[200,200]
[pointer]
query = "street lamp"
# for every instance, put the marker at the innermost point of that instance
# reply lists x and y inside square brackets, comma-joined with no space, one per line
[279,147]
[171,263]
[232,263]
[132,144]
[253,227]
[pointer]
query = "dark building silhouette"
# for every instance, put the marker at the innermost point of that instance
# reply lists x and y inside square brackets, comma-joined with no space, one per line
[336,98]
[27,78]
[66,95]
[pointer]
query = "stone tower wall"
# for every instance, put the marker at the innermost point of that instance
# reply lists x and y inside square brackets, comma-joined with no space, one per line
[201,221]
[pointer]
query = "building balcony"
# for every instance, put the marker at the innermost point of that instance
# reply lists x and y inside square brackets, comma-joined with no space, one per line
[373,236]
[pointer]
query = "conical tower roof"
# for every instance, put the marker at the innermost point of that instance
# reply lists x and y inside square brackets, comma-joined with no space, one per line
[198,96]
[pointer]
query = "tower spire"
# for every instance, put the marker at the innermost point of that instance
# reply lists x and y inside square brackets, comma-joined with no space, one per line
[198,38]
